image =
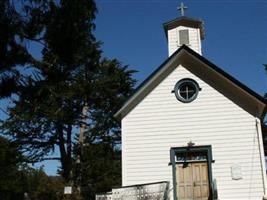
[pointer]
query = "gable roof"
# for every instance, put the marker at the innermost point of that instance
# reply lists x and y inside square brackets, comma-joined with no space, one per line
[207,71]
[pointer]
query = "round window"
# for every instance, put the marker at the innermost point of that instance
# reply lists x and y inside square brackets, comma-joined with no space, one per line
[186,90]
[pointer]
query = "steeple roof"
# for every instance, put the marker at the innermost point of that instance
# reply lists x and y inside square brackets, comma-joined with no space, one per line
[185,21]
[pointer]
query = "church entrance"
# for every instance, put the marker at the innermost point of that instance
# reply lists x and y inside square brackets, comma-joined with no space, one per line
[192,172]
[192,181]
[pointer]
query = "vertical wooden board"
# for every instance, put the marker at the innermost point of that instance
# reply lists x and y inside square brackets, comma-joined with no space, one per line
[189,181]
[200,178]
[184,182]
[197,173]
[182,192]
[205,180]
[181,183]
[192,181]
[181,175]
[197,181]
[204,173]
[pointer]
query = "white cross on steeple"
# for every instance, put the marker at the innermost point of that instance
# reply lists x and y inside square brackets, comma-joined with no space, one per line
[182,8]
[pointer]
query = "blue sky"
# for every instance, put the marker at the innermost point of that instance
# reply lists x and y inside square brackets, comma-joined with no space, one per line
[236,36]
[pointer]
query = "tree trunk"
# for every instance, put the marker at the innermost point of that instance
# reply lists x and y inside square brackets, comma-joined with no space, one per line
[69,143]
[65,157]
[81,145]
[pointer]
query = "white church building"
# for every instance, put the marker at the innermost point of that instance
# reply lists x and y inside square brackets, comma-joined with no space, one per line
[193,125]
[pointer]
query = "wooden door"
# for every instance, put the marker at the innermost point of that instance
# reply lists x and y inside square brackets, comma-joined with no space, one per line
[192,181]
[200,181]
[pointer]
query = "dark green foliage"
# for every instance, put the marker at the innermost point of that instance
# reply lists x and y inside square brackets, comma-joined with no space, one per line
[39,186]
[69,32]
[19,23]
[111,85]
[101,169]
[48,99]
[18,179]
[10,161]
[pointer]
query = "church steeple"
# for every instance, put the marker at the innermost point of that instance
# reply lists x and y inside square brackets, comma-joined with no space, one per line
[184,30]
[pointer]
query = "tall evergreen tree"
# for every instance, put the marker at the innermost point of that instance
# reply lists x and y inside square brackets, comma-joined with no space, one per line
[47,102]
[21,22]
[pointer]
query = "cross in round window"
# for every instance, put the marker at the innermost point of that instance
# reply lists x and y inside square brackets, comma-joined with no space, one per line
[186,90]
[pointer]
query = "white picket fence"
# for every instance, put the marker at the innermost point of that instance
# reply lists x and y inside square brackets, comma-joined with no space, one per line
[150,191]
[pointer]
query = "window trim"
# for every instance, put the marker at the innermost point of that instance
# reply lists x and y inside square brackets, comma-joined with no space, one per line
[179,36]
[180,83]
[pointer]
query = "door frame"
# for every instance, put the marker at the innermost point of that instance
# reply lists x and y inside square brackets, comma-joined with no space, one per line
[189,149]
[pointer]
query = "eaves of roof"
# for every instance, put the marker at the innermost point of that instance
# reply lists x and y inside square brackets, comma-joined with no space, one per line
[126,107]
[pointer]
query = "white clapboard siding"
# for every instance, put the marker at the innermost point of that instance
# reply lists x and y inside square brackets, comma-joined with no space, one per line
[194,39]
[160,122]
